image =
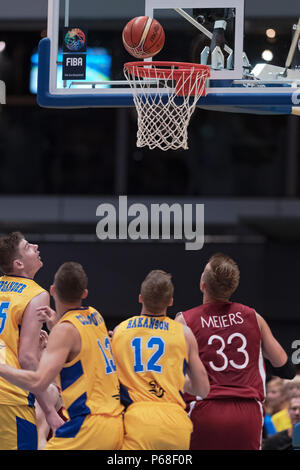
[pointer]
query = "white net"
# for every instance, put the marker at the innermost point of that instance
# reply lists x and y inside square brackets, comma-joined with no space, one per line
[165,100]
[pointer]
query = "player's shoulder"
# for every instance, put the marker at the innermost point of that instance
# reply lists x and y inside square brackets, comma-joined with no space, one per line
[128,323]
[192,311]
[32,284]
[96,315]
[36,298]
[64,331]
[242,307]
[35,283]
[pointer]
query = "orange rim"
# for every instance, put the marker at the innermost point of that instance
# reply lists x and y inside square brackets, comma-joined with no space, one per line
[142,69]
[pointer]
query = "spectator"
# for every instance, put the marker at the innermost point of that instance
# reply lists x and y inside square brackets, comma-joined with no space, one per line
[281,419]
[283,440]
[276,418]
[292,387]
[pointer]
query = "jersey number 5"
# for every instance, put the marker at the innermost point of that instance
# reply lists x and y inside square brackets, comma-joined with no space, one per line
[3,314]
[152,364]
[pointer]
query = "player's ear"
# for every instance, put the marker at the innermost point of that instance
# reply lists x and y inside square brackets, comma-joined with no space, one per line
[52,290]
[17,265]
[171,302]
[202,283]
[140,299]
[85,294]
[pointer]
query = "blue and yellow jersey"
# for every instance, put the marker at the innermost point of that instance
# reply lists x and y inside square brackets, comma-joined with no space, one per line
[150,355]
[89,383]
[15,294]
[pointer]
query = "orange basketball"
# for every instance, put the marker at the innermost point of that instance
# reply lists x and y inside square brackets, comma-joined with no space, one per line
[143,37]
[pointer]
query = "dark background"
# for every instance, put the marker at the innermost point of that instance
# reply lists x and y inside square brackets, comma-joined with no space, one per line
[269,280]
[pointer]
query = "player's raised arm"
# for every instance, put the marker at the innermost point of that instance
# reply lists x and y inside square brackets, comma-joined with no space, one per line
[59,345]
[274,352]
[28,353]
[197,382]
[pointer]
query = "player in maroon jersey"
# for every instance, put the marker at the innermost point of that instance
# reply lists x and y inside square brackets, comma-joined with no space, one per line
[233,341]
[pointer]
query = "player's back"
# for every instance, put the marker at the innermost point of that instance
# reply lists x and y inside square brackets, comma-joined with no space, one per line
[15,294]
[89,383]
[229,342]
[150,354]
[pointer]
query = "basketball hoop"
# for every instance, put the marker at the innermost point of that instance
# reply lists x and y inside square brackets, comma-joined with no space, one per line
[165,95]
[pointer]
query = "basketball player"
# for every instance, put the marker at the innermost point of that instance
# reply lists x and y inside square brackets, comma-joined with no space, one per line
[43,428]
[152,353]
[78,349]
[20,295]
[232,341]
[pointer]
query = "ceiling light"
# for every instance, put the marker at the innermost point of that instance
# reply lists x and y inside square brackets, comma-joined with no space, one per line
[271,33]
[267,55]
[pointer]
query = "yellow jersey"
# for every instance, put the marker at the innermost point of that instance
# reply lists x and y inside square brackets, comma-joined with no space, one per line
[282,420]
[89,383]
[151,354]
[15,294]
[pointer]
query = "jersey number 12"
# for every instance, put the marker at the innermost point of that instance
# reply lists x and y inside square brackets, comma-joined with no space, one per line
[152,363]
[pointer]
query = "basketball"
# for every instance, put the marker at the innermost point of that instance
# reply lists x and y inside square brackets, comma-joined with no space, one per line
[143,37]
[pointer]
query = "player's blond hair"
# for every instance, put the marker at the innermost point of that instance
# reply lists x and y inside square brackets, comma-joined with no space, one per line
[222,276]
[157,291]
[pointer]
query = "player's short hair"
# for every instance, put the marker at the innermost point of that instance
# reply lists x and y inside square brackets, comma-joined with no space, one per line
[222,277]
[9,251]
[157,291]
[70,281]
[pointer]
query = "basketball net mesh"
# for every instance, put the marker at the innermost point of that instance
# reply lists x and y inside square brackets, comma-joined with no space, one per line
[165,103]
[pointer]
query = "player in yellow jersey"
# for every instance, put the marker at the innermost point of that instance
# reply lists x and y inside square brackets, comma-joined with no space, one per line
[20,329]
[152,354]
[79,353]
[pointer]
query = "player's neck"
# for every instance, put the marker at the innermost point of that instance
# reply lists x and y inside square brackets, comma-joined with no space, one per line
[22,273]
[62,307]
[150,314]
[207,299]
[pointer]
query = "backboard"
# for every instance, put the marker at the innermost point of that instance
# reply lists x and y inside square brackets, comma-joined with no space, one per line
[99,81]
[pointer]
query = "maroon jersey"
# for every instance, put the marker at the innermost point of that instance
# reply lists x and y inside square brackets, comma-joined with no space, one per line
[229,342]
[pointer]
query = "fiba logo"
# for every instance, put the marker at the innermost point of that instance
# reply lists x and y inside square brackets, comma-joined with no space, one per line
[74,53]
[75,40]
[74,61]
